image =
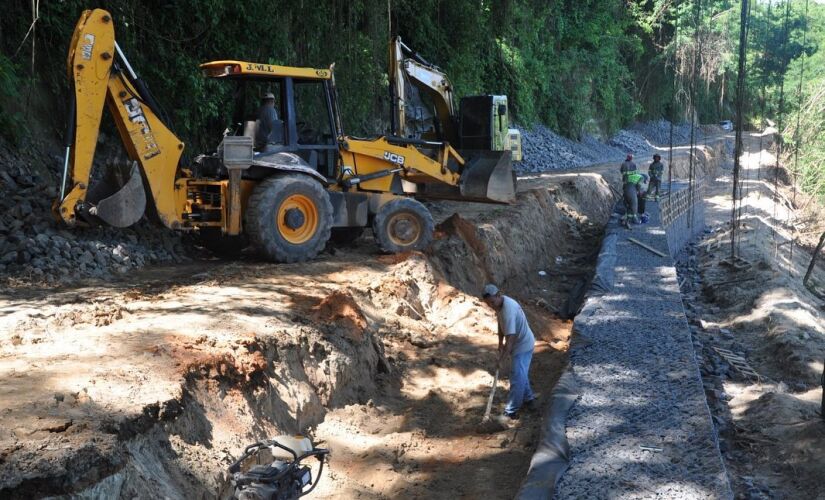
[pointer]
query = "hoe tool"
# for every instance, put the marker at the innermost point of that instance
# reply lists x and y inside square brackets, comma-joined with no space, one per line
[489,425]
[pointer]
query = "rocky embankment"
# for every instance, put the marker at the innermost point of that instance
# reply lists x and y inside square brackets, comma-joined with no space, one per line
[35,247]
[545,150]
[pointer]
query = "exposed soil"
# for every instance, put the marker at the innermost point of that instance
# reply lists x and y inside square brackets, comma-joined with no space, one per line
[150,384]
[771,433]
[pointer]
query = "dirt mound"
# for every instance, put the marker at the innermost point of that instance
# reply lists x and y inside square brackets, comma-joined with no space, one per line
[341,310]
[780,173]
[706,161]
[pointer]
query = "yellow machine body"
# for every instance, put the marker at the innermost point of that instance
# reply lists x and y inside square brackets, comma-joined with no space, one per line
[357,173]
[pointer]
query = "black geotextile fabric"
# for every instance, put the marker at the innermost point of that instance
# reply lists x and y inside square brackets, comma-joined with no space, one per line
[605,273]
[552,455]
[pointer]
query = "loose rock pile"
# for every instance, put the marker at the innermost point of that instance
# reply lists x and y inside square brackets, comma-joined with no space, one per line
[658,132]
[35,247]
[545,150]
[629,142]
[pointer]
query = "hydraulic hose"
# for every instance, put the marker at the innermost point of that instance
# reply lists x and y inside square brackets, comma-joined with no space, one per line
[69,140]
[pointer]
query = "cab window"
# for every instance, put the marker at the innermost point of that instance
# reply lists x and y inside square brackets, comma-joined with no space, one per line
[311,114]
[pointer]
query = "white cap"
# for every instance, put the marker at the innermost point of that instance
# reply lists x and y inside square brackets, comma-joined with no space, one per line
[268,95]
[489,289]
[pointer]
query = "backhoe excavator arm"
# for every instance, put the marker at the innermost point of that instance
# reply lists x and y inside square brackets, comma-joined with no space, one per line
[406,65]
[100,73]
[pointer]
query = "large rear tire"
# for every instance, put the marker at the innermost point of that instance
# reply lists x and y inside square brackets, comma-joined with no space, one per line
[288,218]
[403,224]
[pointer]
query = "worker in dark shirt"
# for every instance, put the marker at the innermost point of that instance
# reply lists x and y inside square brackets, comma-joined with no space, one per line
[627,165]
[630,179]
[270,129]
[655,172]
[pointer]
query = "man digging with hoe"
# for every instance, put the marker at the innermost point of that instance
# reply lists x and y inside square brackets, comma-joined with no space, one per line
[515,339]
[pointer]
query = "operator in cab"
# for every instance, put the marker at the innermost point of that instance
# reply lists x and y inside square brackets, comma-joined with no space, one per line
[270,129]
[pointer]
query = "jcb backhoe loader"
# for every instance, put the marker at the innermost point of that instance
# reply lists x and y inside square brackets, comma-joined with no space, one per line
[284,176]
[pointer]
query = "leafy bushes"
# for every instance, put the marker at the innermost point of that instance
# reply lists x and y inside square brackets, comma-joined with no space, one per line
[11,119]
[563,63]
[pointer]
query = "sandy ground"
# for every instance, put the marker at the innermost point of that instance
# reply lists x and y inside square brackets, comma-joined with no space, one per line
[151,384]
[771,434]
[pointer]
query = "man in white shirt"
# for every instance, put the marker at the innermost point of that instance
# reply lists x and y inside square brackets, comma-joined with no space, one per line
[515,339]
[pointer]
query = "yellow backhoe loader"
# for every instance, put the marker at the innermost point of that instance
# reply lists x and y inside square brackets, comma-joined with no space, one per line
[284,178]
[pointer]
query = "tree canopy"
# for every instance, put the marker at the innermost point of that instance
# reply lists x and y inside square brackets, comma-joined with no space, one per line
[577,66]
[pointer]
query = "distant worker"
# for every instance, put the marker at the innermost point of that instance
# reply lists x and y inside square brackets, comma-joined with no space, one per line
[515,339]
[641,197]
[627,165]
[630,193]
[655,171]
[270,129]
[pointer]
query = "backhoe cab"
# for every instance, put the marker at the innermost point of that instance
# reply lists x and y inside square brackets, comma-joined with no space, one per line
[284,177]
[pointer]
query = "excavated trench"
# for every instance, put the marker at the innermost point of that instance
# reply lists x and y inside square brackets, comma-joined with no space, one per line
[386,360]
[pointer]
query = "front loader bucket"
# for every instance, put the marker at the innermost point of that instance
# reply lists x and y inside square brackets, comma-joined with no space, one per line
[119,206]
[488,176]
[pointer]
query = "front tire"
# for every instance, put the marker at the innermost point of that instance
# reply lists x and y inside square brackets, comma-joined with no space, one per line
[288,218]
[403,224]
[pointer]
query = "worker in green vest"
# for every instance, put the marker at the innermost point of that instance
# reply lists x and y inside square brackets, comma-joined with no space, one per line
[630,191]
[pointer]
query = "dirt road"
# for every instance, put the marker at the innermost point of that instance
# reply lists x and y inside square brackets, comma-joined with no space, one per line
[771,435]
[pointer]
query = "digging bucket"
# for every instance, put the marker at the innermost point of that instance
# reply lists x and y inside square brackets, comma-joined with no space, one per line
[488,176]
[118,200]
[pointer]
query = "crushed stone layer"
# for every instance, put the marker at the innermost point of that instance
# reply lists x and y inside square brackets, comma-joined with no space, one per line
[641,428]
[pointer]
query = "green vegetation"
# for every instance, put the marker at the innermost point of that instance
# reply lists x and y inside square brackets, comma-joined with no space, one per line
[10,83]
[573,65]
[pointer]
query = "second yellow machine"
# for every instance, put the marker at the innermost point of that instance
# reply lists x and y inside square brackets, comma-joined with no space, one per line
[284,177]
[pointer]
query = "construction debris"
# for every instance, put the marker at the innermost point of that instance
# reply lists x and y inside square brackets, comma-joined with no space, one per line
[738,363]
[646,247]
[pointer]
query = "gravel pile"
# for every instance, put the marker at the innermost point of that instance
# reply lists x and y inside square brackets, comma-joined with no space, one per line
[658,132]
[546,150]
[641,428]
[629,141]
[35,247]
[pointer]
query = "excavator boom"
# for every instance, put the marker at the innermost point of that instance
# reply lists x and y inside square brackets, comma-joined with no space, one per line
[100,73]
[479,130]
[409,73]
